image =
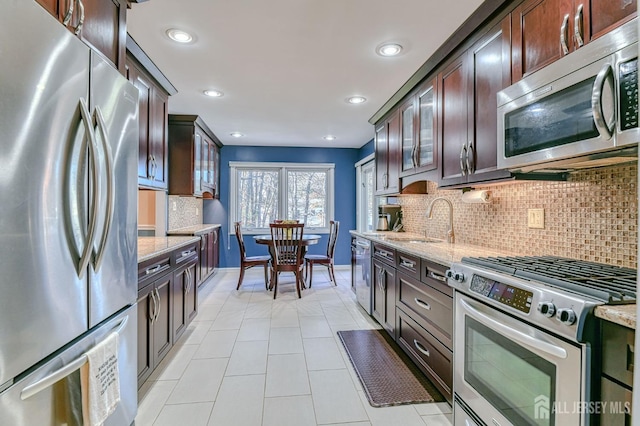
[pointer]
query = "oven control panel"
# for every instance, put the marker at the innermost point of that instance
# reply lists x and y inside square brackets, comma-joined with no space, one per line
[503,293]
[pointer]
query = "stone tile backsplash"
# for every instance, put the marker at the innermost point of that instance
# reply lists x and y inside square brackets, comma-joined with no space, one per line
[188,211]
[593,216]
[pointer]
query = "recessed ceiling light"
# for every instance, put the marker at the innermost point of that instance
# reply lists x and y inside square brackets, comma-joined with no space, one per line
[329,138]
[179,35]
[236,134]
[213,93]
[389,49]
[356,99]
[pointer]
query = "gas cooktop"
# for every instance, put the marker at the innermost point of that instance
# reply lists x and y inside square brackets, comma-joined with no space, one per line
[607,283]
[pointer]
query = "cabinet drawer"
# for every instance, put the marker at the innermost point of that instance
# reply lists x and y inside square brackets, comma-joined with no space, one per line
[187,253]
[408,264]
[618,408]
[618,352]
[433,274]
[153,268]
[428,304]
[385,254]
[431,356]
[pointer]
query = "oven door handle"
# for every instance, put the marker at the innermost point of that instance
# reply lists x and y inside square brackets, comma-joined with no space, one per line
[516,335]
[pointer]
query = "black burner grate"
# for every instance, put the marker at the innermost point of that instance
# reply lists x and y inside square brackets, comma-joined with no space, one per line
[611,284]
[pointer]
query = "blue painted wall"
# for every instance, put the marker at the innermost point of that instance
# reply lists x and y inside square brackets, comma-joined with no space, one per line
[216,211]
[366,149]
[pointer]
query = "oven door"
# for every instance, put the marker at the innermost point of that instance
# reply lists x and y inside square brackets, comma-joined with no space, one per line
[510,373]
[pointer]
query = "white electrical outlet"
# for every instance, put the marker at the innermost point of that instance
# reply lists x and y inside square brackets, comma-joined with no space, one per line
[174,206]
[535,218]
[197,211]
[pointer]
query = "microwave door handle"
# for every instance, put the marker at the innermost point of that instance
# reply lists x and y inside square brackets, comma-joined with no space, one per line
[603,127]
[514,334]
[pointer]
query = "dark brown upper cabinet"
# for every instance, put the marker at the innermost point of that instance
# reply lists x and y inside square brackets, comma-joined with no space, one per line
[418,121]
[152,120]
[546,30]
[194,159]
[99,23]
[467,108]
[388,155]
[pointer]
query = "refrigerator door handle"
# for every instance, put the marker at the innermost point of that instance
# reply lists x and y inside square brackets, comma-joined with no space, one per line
[110,185]
[63,372]
[93,223]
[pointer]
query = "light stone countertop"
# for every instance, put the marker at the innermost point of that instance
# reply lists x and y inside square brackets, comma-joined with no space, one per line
[439,252]
[194,230]
[624,315]
[149,247]
[445,254]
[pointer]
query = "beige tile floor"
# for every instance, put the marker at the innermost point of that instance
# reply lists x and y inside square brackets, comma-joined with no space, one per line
[249,360]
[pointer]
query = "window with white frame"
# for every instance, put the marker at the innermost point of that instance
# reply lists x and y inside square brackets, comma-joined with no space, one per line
[263,192]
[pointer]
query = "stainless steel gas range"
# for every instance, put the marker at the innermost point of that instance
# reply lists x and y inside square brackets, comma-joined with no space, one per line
[525,337]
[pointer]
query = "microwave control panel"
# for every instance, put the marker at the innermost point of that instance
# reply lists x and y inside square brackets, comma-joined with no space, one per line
[503,293]
[628,78]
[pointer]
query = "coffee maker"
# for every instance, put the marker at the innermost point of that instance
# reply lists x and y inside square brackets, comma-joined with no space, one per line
[389,217]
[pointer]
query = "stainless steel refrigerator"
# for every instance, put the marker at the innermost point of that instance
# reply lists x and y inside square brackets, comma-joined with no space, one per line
[68,218]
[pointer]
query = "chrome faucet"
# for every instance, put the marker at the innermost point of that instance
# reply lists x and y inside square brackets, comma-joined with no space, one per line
[451,238]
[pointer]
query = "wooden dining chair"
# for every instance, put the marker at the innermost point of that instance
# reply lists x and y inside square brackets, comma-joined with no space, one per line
[247,262]
[286,239]
[322,259]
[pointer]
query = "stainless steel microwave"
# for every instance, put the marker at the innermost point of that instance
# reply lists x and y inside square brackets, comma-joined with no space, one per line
[578,112]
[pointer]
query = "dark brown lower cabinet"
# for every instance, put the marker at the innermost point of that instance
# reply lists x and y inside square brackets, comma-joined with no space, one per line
[154,325]
[429,354]
[185,300]
[618,353]
[384,295]
[209,255]
[167,303]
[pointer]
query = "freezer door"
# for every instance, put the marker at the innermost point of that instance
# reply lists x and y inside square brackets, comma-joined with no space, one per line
[113,267]
[51,395]
[43,213]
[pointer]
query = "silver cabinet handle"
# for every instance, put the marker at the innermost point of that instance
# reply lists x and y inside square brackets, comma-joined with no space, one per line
[152,270]
[81,20]
[563,34]
[606,73]
[421,348]
[215,237]
[187,253]
[152,307]
[578,28]
[93,223]
[437,277]
[63,372]
[422,304]
[470,162]
[202,244]
[69,14]
[463,154]
[383,253]
[150,167]
[108,159]
[159,305]
[407,264]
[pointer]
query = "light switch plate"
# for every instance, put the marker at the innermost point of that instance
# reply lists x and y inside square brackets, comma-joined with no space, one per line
[535,218]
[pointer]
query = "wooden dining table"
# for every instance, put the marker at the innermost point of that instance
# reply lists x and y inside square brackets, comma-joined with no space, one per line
[307,240]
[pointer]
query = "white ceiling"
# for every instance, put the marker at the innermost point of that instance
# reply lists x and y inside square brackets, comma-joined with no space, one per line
[287,66]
